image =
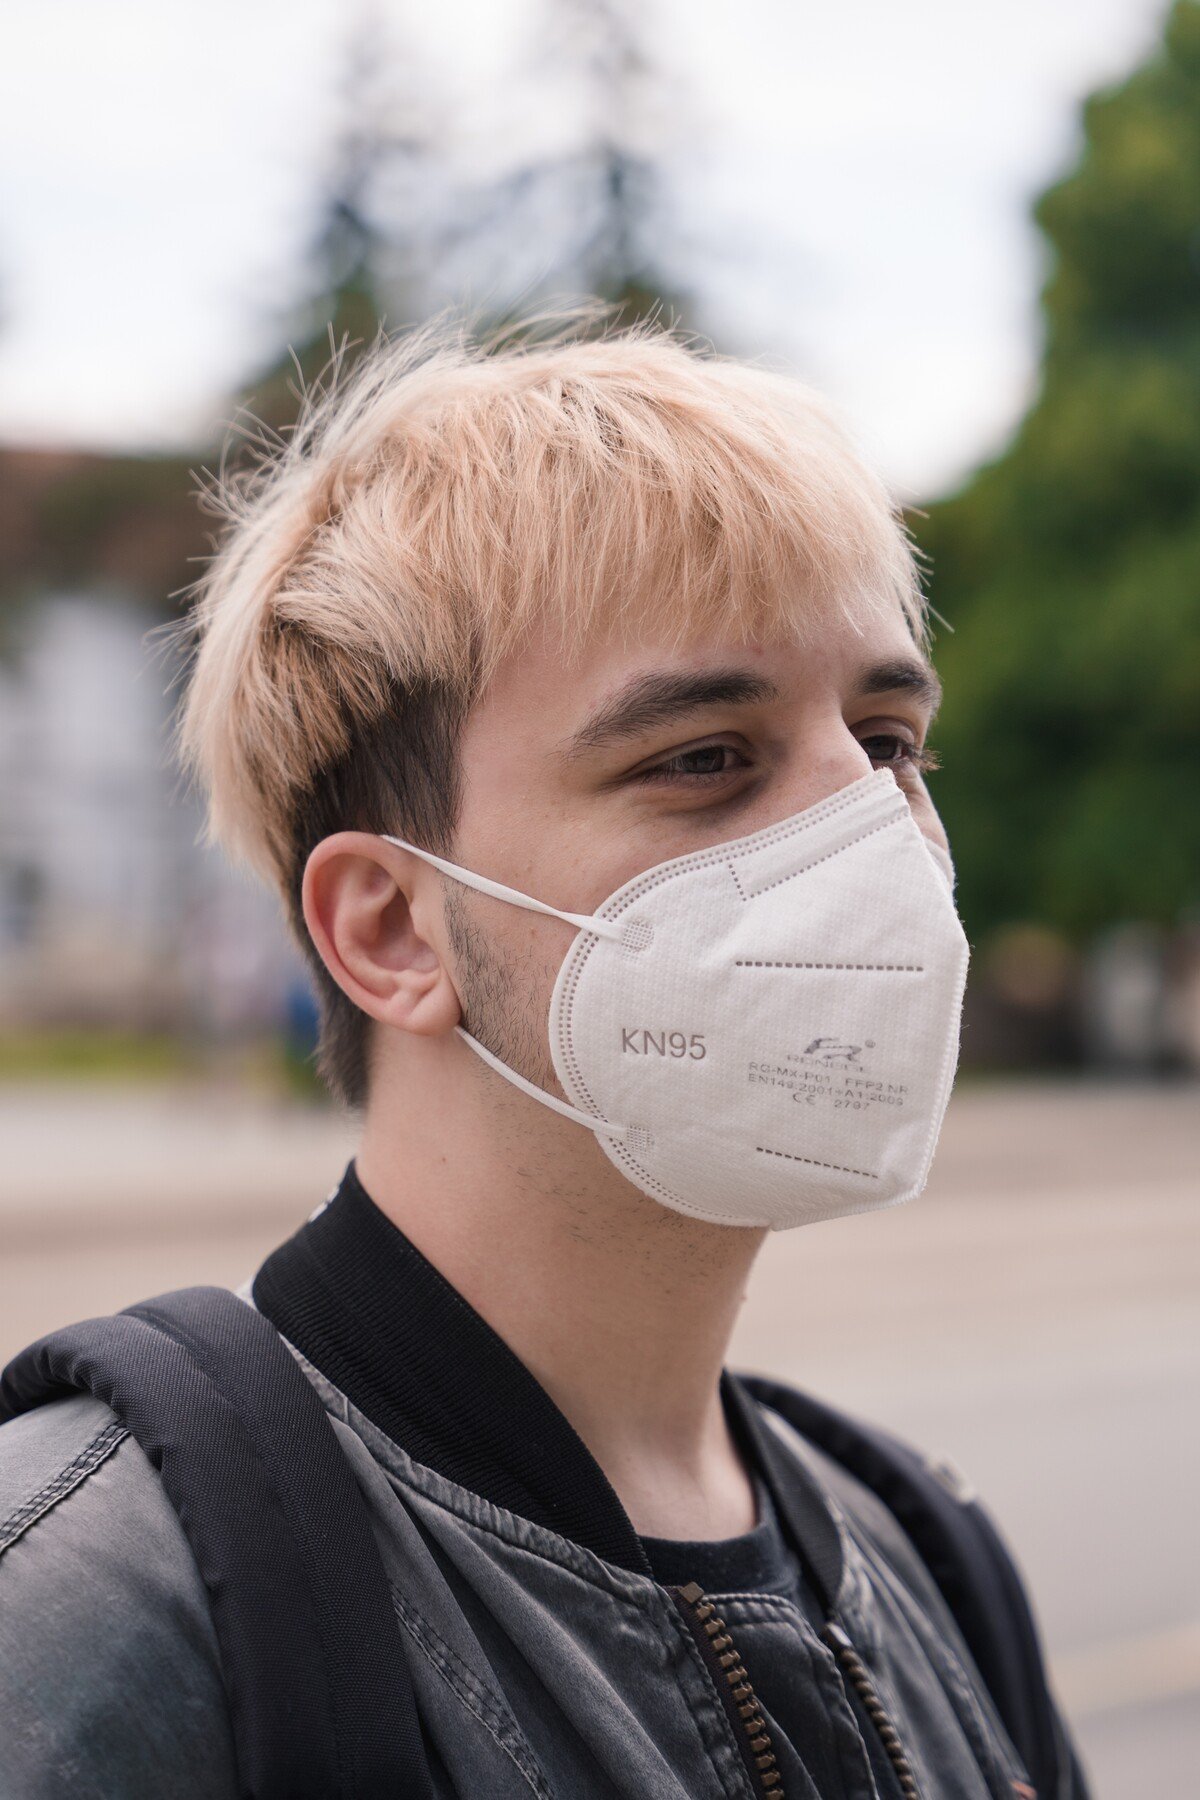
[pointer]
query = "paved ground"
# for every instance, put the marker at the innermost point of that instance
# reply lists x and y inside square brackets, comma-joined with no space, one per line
[1035,1315]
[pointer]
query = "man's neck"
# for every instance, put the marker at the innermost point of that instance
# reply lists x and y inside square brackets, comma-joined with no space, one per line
[619,1307]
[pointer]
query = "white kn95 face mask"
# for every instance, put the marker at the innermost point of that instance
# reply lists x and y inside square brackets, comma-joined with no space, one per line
[764,1032]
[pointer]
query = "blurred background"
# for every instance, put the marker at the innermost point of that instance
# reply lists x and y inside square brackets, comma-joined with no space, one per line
[977,230]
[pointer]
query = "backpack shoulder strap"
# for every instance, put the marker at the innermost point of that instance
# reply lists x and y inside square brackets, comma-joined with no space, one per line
[321,1699]
[964,1553]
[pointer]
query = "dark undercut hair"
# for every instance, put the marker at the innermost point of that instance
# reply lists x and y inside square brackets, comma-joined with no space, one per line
[399,775]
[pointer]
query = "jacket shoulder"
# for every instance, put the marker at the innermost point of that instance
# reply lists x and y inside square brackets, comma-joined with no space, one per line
[110,1681]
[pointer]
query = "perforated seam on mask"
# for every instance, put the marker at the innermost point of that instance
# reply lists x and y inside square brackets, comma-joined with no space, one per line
[771,835]
[565,1046]
[829,854]
[814,1163]
[856,968]
[737,881]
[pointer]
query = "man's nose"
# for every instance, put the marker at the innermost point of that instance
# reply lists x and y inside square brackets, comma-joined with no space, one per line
[831,760]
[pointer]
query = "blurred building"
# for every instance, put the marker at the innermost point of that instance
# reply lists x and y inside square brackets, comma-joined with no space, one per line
[111,912]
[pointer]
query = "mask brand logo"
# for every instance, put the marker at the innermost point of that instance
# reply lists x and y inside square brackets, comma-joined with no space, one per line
[636,1041]
[833,1055]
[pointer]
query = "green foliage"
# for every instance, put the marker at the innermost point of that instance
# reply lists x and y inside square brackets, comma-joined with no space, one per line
[1070,568]
[1124,224]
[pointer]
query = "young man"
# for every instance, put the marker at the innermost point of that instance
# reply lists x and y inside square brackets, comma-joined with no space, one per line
[574,698]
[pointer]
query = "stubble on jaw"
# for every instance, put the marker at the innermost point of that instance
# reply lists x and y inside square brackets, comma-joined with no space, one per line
[498,995]
[501,1010]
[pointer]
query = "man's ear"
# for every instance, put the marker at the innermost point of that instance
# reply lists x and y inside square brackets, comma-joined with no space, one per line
[374,913]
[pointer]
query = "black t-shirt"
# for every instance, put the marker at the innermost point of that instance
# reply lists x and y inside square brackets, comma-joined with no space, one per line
[734,1571]
[758,1562]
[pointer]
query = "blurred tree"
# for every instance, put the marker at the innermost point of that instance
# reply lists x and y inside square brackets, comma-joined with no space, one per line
[366,252]
[1070,567]
[584,211]
[396,221]
[613,181]
[130,524]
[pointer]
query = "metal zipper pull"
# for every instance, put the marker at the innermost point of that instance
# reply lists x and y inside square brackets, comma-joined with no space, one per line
[733,1685]
[856,1671]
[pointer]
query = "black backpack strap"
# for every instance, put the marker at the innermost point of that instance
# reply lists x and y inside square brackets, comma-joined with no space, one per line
[968,1561]
[321,1699]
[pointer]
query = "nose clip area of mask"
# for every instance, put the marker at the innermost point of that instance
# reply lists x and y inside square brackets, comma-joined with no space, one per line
[782,853]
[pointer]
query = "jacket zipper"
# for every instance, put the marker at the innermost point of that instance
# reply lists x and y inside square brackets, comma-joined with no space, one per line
[733,1685]
[857,1673]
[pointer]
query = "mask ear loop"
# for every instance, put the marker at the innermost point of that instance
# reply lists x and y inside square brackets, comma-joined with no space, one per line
[601,1127]
[607,928]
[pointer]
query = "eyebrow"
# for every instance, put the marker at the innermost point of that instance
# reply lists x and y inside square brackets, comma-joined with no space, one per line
[653,700]
[905,675]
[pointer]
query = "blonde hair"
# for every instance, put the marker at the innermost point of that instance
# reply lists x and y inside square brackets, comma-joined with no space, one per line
[428,511]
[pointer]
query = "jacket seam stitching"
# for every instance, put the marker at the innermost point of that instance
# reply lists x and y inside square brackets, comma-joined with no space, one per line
[997,1758]
[988,1740]
[71,1476]
[474,1511]
[473,1694]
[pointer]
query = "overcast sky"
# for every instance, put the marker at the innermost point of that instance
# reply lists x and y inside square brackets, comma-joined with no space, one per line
[853,182]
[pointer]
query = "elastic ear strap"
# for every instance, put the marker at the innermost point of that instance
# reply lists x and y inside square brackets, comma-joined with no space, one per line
[600,1126]
[583,921]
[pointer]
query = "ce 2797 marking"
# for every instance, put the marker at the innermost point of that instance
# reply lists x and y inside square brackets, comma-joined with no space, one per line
[637,1041]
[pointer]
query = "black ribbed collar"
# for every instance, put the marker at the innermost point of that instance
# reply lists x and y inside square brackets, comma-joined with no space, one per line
[372,1313]
[375,1316]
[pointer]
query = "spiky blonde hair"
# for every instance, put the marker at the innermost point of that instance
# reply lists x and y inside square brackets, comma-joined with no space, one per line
[431,509]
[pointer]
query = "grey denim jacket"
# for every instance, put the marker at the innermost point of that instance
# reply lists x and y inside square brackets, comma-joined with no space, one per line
[542,1664]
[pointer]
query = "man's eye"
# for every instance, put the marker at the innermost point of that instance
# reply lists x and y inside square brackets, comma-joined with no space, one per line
[703,763]
[889,748]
